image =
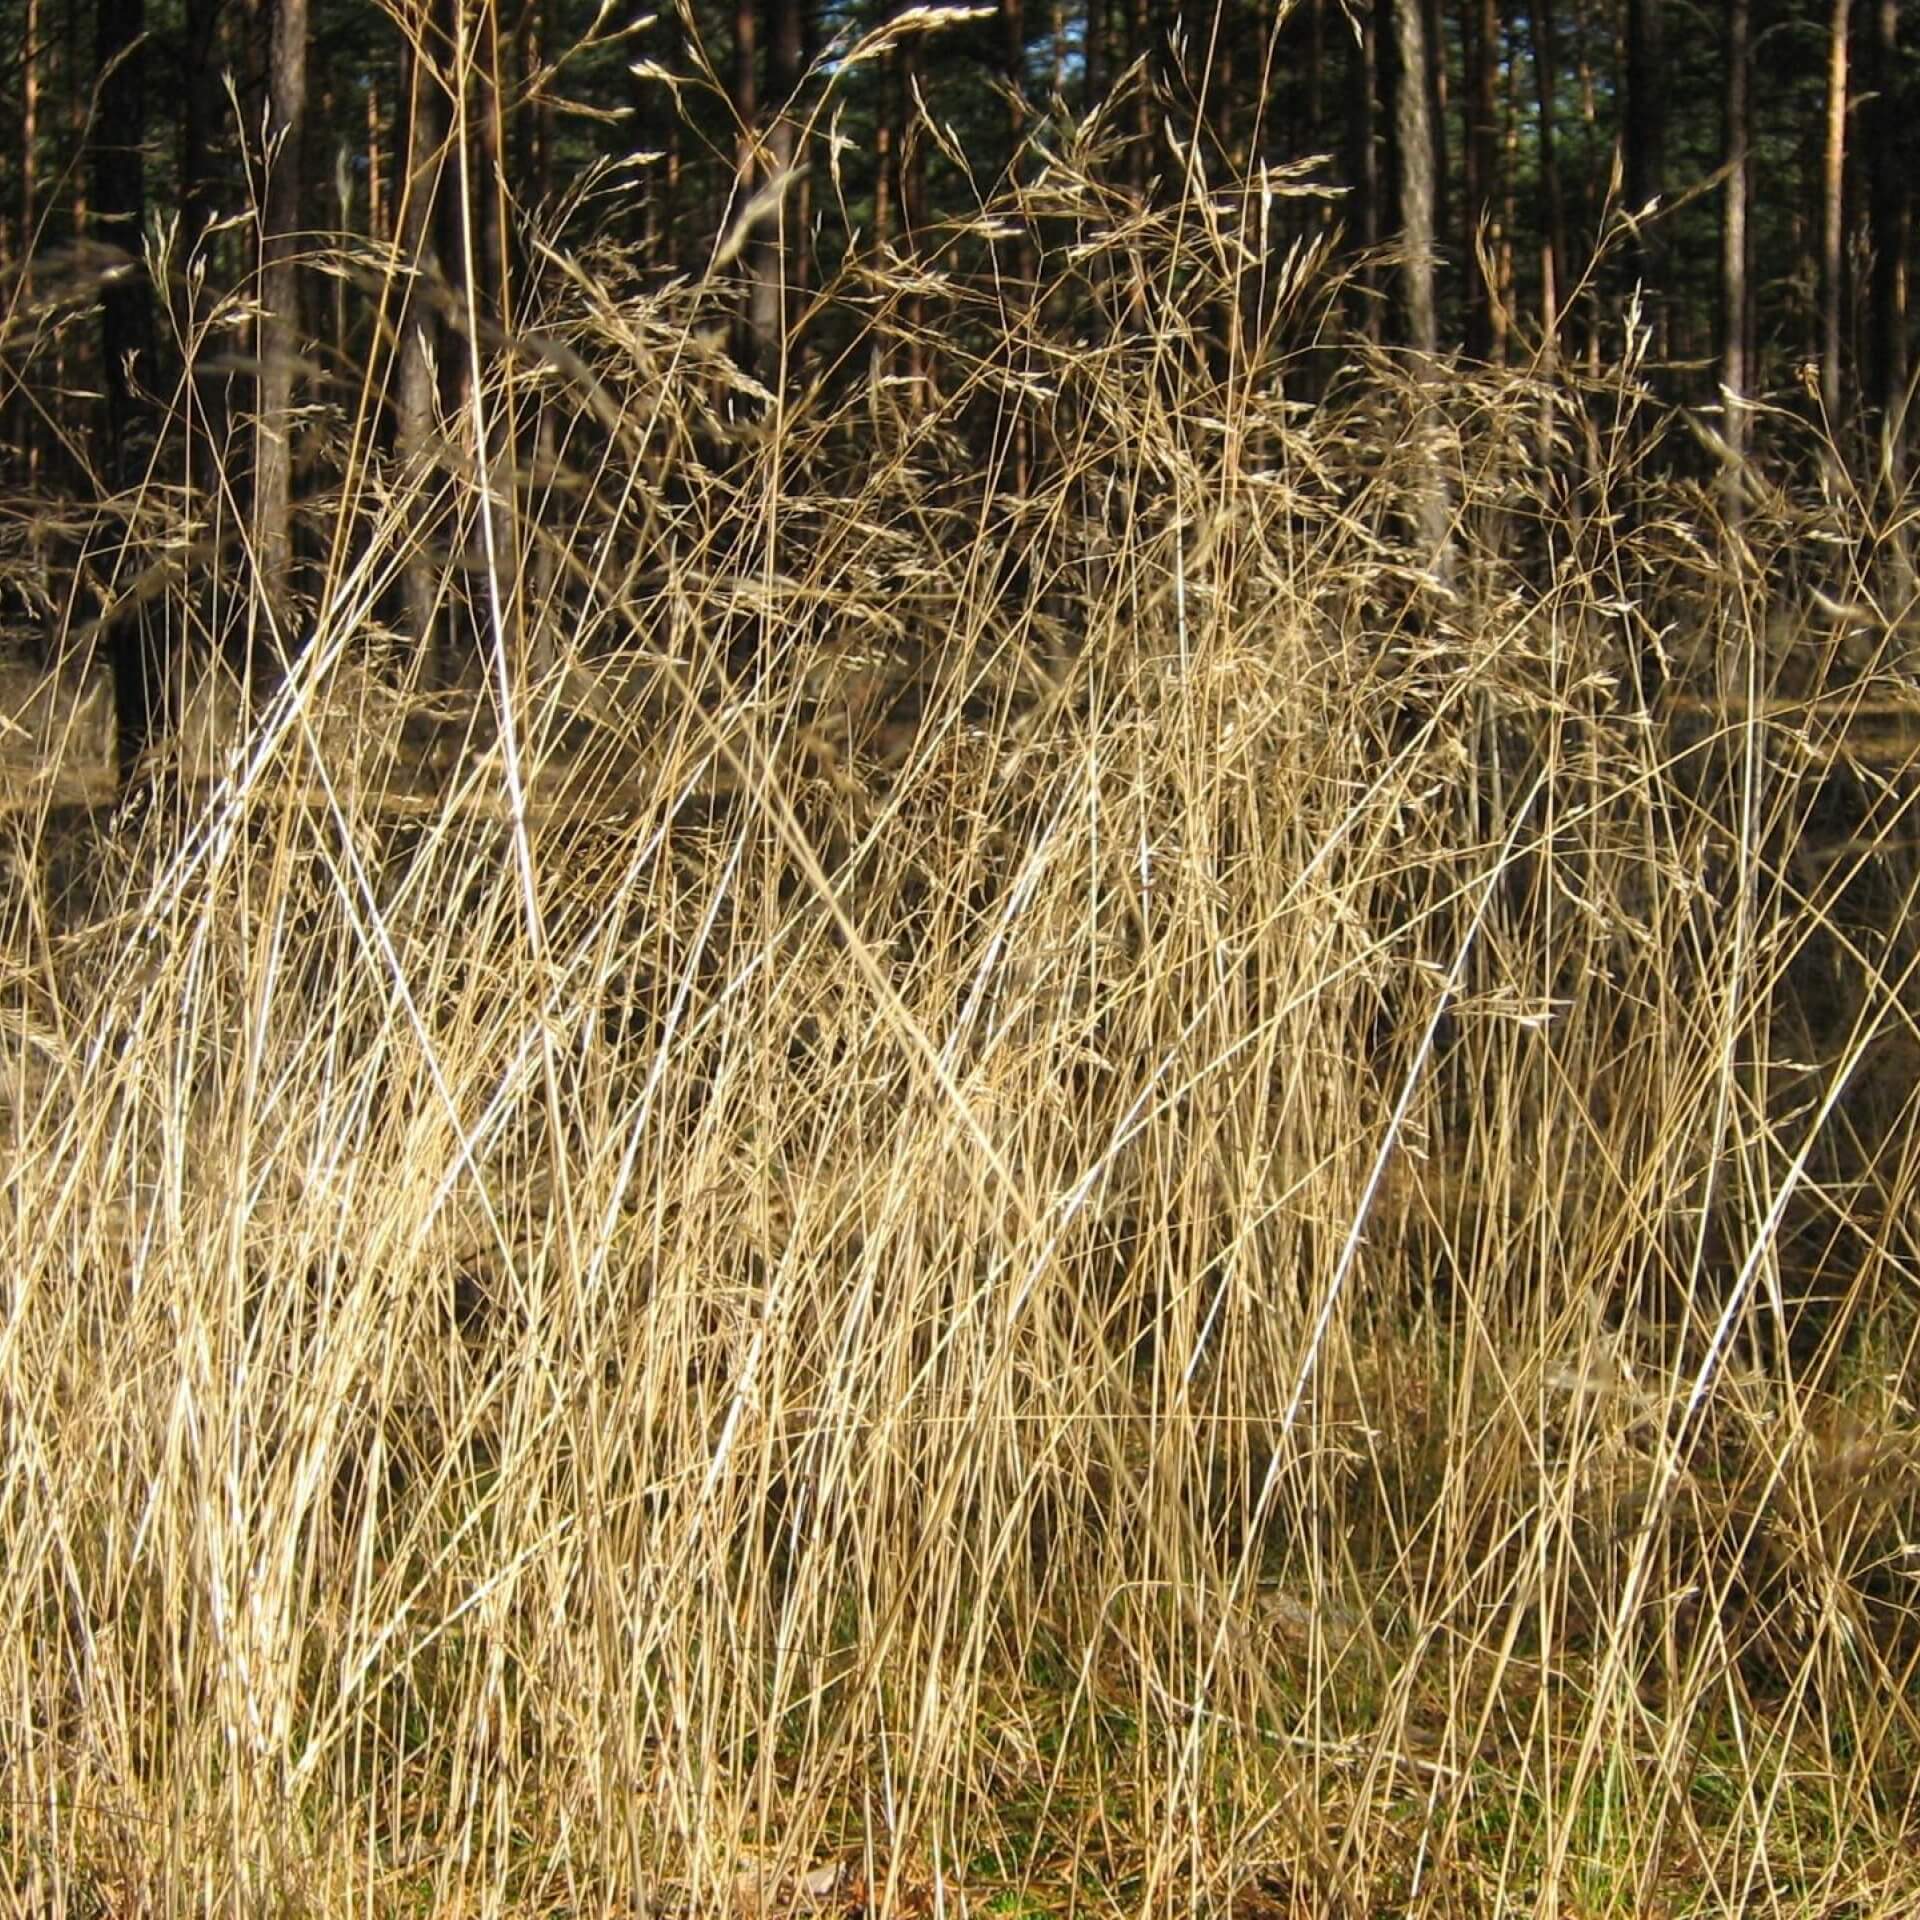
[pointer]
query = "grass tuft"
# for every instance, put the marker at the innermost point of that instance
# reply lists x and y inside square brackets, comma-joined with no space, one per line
[1048,1181]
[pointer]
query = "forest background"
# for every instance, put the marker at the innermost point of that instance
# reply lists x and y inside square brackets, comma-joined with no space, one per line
[1727,196]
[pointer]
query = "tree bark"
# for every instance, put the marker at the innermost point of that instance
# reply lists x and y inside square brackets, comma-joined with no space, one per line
[910,194]
[1098,57]
[377,224]
[29,130]
[1141,35]
[1890,219]
[746,165]
[1434,70]
[1486,332]
[21,427]
[279,312]
[119,192]
[420,329]
[1013,60]
[482,151]
[1210,36]
[1735,374]
[1833,172]
[200,110]
[1013,53]
[1316,75]
[1646,155]
[120,210]
[1553,210]
[774,265]
[657,125]
[533,167]
[1414,130]
[489,418]
[1363,158]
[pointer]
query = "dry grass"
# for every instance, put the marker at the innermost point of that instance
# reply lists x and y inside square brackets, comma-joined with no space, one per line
[1071,1202]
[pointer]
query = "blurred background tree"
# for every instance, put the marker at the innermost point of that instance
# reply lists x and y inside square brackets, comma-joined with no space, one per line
[364,185]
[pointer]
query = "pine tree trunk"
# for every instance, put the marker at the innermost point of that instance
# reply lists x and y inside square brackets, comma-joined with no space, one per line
[1414,139]
[22,428]
[1890,215]
[120,210]
[1099,25]
[1434,68]
[1646,153]
[119,193]
[657,128]
[420,331]
[1013,22]
[29,130]
[910,196]
[1833,173]
[775,266]
[1735,373]
[1363,160]
[1553,211]
[279,315]
[1413,128]
[1480,24]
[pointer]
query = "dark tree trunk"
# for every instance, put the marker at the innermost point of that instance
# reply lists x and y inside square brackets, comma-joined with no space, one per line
[379,230]
[29,130]
[1486,334]
[1210,36]
[746,92]
[1833,174]
[533,123]
[1646,152]
[1889,213]
[775,262]
[200,113]
[910,194]
[746,163]
[422,335]
[1434,67]
[279,311]
[1013,53]
[1098,54]
[18,421]
[490,419]
[1553,212]
[1414,139]
[118,178]
[1363,158]
[1316,74]
[1013,61]
[120,209]
[541,589]
[1141,36]
[1735,371]
[657,123]
[482,153]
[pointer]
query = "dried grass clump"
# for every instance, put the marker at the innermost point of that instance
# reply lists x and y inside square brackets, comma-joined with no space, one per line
[881,1186]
